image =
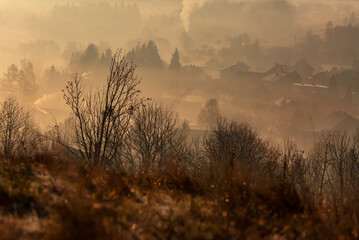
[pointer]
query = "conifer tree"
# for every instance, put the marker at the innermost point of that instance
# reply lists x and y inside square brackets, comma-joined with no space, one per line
[175,64]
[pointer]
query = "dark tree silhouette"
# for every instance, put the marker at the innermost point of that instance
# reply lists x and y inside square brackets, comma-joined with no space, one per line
[155,136]
[20,82]
[210,113]
[17,129]
[231,144]
[27,80]
[10,78]
[175,64]
[91,55]
[102,117]
[146,55]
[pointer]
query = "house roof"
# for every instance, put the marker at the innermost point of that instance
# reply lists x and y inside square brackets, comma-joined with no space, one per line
[278,68]
[213,62]
[239,66]
[249,76]
[275,76]
[195,71]
[283,77]
[303,68]
[292,77]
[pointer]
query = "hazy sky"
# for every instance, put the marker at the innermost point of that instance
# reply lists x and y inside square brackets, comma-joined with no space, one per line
[307,10]
[171,23]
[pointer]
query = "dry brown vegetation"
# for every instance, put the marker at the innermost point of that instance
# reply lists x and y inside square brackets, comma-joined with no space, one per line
[45,197]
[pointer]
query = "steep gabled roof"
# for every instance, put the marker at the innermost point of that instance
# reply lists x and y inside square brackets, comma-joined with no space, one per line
[194,71]
[251,76]
[292,77]
[278,68]
[213,62]
[303,68]
[239,66]
[275,76]
[283,77]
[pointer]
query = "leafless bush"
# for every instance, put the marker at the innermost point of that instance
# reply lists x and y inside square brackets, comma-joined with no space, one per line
[101,118]
[18,132]
[293,166]
[231,143]
[155,136]
[335,164]
[210,113]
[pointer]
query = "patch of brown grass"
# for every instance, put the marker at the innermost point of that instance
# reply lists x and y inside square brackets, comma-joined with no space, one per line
[72,201]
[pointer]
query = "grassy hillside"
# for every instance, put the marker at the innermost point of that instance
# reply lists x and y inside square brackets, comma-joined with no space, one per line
[47,197]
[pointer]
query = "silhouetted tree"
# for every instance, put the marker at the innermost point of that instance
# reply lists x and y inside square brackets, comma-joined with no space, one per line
[321,163]
[106,57]
[175,64]
[10,78]
[91,55]
[210,113]
[17,129]
[146,56]
[54,79]
[155,136]
[90,59]
[294,167]
[27,80]
[335,164]
[230,143]
[20,82]
[102,117]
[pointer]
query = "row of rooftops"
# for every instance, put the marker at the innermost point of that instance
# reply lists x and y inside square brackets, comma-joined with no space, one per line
[302,74]
[303,69]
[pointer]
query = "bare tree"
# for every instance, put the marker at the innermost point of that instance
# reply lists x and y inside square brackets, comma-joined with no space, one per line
[155,136]
[321,162]
[210,113]
[101,118]
[353,163]
[335,164]
[339,146]
[17,129]
[294,165]
[231,143]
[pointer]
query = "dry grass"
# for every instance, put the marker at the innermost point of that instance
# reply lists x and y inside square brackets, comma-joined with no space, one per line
[51,198]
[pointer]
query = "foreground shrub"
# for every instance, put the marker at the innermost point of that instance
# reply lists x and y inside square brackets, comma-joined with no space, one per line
[18,132]
[230,143]
[154,137]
